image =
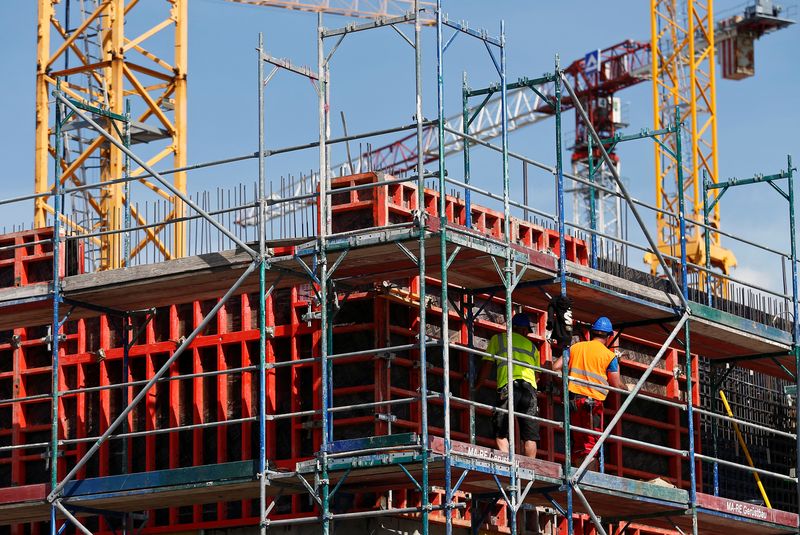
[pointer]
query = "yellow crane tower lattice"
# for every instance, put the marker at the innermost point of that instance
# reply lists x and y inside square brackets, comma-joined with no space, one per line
[84,44]
[683,73]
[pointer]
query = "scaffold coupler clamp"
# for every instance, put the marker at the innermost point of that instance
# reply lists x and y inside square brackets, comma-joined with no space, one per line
[419,217]
[678,372]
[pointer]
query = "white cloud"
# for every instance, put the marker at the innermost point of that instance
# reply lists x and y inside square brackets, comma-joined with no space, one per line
[764,278]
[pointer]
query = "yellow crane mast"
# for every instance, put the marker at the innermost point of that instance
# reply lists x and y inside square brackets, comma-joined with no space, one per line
[683,74]
[684,41]
[85,45]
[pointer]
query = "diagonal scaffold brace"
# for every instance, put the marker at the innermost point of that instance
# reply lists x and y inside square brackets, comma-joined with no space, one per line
[54,494]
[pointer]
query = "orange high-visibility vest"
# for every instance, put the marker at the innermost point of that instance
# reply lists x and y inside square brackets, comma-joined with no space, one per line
[588,361]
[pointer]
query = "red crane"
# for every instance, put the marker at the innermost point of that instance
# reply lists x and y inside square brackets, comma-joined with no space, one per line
[620,66]
[596,79]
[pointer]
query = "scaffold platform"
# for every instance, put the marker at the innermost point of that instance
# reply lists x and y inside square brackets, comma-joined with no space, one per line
[254,384]
[477,469]
[373,255]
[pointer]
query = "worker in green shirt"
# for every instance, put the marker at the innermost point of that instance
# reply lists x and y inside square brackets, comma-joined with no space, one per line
[525,402]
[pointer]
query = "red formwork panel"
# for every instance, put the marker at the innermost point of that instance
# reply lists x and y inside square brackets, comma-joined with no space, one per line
[398,202]
[91,356]
[26,257]
[93,359]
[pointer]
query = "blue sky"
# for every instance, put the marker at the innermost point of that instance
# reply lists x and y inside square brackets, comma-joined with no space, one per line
[372,81]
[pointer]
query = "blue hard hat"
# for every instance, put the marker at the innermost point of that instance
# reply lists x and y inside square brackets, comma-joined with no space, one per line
[521,319]
[603,325]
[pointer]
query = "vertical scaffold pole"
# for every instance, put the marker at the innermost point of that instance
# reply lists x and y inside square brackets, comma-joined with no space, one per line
[56,290]
[127,325]
[592,213]
[709,302]
[126,140]
[423,360]
[795,327]
[324,219]
[465,121]
[686,327]
[262,309]
[707,243]
[509,284]
[681,206]
[470,319]
[562,273]
[470,313]
[690,415]
[448,491]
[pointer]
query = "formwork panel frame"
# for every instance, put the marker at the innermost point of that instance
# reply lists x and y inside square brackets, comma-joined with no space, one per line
[58,484]
[424,231]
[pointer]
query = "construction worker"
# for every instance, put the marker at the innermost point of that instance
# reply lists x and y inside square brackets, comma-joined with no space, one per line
[525,402]
[594,363]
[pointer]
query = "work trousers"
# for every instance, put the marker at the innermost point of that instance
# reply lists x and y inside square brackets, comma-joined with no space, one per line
[587,413]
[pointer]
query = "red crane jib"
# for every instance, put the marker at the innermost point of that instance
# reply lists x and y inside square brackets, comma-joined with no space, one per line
[622,65]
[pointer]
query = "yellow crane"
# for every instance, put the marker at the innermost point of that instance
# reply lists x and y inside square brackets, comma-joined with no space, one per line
[684,39]
[84,43]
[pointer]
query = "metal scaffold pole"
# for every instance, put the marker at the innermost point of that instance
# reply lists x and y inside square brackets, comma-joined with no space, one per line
[127,325]
[469,317]
[466,122]
[686,327]
[423,360]
[262,331]
[444,263]
[55,328]
[324,228]
[509,281]
[126,140]
[795,326]
[562,274]
[592,206]
[707,244]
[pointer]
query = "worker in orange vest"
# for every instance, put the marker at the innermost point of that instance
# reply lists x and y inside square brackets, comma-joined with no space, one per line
[595,366]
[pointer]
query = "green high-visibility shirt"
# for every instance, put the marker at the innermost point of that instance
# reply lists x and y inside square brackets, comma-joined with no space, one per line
[524,352]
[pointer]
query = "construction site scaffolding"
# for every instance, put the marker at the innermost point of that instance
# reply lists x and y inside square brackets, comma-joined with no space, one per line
[319,259]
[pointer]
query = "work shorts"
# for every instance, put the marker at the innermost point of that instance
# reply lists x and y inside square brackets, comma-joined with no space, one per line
[525,402]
